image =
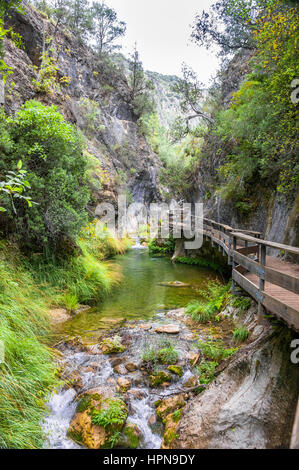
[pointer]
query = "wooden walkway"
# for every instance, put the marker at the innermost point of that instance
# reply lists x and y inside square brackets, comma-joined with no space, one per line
[271,281]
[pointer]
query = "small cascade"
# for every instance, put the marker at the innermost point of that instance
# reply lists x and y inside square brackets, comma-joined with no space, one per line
[137,245]
[96,370]
[142,411]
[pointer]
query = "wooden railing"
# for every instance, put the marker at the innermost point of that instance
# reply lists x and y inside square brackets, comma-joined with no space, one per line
[273,283]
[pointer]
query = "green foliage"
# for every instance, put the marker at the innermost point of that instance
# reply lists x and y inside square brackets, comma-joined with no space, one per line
[164,247]
[28,372]
[162,351]
[168,355]
[106,27]
[84,277]
[215,350]
[216,299]
[243,303]
[70,301]
[229,24]
[139,87]
[240,334]
[202,262]
[15,185]
[206,371]
[51,152]
[113,412]
[6,6]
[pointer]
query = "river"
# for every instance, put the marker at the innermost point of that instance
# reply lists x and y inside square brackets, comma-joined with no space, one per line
[139,298]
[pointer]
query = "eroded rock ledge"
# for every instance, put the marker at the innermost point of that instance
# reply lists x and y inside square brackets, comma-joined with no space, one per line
[251,404]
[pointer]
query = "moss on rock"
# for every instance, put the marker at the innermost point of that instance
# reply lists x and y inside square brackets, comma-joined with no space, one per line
[177,370]
[158,378]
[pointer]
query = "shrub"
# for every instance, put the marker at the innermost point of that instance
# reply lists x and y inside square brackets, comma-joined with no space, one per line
[51,152]
[113,412]
[203,312]
[215,350]
[240,334]
[206,371]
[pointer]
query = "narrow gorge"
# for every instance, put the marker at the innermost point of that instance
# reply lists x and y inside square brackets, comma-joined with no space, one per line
[128,339]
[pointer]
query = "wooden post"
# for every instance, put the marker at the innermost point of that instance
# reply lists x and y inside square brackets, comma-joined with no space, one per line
[246,248]
[233,261]
[229,261]
[261,282]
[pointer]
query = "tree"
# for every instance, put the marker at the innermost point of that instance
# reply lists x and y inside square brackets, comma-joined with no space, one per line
[74,14]
[192,93]
[140,86]
[229,24]
[106,27]
[51,152]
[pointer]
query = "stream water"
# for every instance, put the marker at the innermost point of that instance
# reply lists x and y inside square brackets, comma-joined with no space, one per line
[140,298]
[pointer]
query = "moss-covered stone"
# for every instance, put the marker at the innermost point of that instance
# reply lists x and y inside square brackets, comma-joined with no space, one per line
[98,418]
[170,405]
[112,345]
[171,426]
[130,437]
[177,370]
[158,378]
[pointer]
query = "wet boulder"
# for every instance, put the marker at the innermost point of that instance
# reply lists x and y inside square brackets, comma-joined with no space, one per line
[159,378]
[124,384]
[130,437]
[169,405]
[99,417]
[168,329]
[112,345]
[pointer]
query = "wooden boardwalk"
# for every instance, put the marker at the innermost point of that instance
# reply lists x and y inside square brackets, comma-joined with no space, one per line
[271,281]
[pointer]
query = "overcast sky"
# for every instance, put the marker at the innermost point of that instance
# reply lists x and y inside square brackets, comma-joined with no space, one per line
[162,31]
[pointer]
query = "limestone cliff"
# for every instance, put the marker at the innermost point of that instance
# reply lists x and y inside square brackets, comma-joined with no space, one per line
[93,94]
[272,213]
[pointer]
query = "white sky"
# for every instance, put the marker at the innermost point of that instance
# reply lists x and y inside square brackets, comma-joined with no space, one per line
[162,31]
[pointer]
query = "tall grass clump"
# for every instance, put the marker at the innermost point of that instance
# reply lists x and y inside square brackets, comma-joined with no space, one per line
[214,301]
[84,277]
[28,371]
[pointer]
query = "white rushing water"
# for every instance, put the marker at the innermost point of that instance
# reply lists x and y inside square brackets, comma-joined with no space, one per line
[96,371]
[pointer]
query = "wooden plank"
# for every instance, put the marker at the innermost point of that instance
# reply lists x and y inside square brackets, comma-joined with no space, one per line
[281,279]
[271,275]
[248,263]
[247,285]
[250,250]
[282,310]
[278,246]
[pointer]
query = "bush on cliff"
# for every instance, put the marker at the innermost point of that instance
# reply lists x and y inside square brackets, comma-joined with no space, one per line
[51,152]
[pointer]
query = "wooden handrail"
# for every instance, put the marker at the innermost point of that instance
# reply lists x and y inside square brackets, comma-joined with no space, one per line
[277,246]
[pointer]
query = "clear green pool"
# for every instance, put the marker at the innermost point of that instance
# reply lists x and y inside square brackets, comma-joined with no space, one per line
[139,296]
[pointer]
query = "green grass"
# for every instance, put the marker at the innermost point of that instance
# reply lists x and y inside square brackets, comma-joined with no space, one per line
[206,371]
[28,372]
[243,303]
[240,334]
[214,301]
[29,287]
[215,350]
[85,278]
[160,352]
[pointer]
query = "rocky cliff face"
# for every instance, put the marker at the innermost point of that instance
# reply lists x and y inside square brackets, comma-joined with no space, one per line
[273,215]
[96,100]
[252,402]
